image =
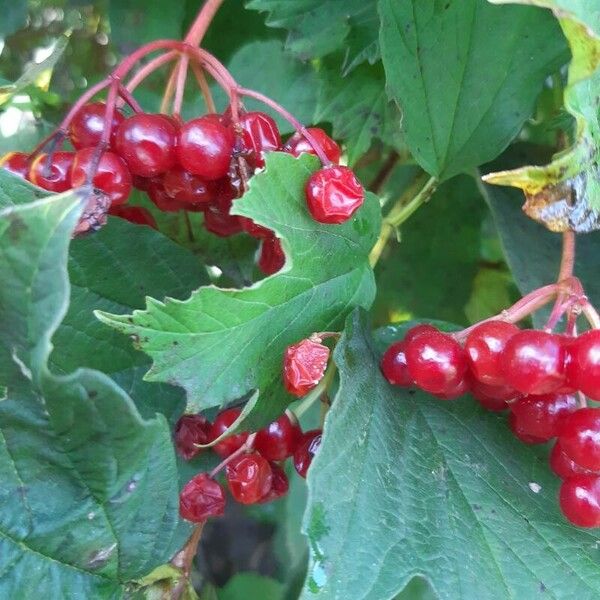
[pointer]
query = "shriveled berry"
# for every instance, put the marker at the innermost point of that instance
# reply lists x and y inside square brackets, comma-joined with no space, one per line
[580,437]
[260,134]
[134,214]
[111,177]
[304,365]
[189,431]
[254,229]
[187,188]
[393,365]
[279,484]
[585,370]
[88,125]
[278,440]
[249,477]
[533,362]
[306,451]
[222,423]
[271,257]
[579,499]
[52,173]
[16,163]
[436,362]
[333,194]
[201,498]
[484,347]
[563,466]
[160,198]
[542,416]
[298,144]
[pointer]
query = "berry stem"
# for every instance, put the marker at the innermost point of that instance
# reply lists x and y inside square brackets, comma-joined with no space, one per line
[384,173]
[247,445]
[150,67]
[184,558]
[567,261]
[126,95]
[182,71]
[168,93]
[316,393]
[202,22]
[204,87]
[591,314]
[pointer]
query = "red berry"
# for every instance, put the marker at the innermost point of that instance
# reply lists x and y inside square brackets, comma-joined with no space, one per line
[220,222]
[189,431]
[417,330]
[231,443]
[436,362]
[393,365]
[484,347]
[533,362]
[249,477]
[134,214]
[260,134]
[16,163]
[87,126]
[298,144]
[201,498]
[255,230]
[278,440]
[460,389]
[279,484]
[304,365]
[271,258]
[147,144]
[304,454]
[585,369]
[494,398]
[187,188]
[542,416]
[333,194]
[580,437]
[205,147]
[162,200]
[141,183]
[563,466]
[520,435]
[112,176]
[53,175]
[579,499]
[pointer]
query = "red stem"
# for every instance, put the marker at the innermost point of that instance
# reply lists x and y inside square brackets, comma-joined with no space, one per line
[202,22]
[126,95]
[150,67]
[248,445]
[182,71]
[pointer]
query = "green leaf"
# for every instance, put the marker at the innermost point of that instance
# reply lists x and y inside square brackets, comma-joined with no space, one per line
[251,585]
[358,108]
[317,28]
[222,343]
[417,486]
[14,190]
[89,493]
[565,194]
[14,15]
[466,75]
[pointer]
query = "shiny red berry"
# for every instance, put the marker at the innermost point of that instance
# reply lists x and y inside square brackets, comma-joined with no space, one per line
[460,389]
[491,397]
[52,174]
[563,466]
[260,134]
[585,370]
[16,163]
[542,416]
[278,440]
[304,454]
[111,177]
[147,144]
[579,499]
[201,498]
[231,443]
[205,147]
[249,477]
[189,431]
[271,257]
[254,229]
[87,126]
[187,188]
[333,194]
[580,437]
[298,144]
[220,222]
[484,347]
[134,214]
[522,436]
[436,362]
[393,365]
[533,362]
[279,484]
[417,330]
[304,365]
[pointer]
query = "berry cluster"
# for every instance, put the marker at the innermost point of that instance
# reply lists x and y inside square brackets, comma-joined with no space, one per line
[200,165]
[533,374]
[252,462]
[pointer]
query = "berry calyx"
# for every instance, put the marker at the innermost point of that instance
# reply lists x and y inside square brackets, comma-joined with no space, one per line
[260,134]
[189,431]
[205,147]
[234,442]
[585,369]
[304,454]
[333,194]
[16,163]
[298,144]
[484,347]
[563,466]
[393,365]
[278,440]
[201,498]
[249,477]
[111,177]
[436,362]
[580,437]
[187,188]
[52,173]
[304,365]
[533,362]
[134,214]
[88,125]
[271,257]
[579,499]
[279,484]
